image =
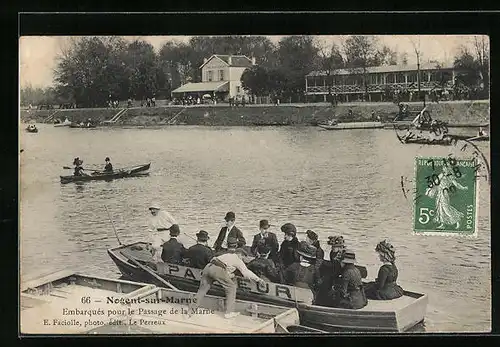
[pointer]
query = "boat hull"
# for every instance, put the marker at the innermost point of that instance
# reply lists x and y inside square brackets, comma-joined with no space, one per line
[389,316]
[136,171]
[354,125]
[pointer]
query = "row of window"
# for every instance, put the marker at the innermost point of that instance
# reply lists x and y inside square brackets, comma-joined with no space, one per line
[379,78]
[210,75]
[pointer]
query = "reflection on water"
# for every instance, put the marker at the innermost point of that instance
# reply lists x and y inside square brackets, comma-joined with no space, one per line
[345,182]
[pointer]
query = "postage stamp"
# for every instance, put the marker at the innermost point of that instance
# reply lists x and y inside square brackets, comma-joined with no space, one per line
[446,196]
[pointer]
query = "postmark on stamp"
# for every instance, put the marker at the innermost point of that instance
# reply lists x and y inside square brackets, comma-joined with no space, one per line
[446,196]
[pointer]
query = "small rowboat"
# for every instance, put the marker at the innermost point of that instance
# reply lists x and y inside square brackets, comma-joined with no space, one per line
[353,125]
[32,129]
[82,126]
[396,315]
[134,171]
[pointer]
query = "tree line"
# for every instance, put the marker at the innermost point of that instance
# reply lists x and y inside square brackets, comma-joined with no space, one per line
[91,71]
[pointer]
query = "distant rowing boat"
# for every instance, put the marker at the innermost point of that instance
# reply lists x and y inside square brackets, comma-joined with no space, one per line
[138,170]
[82,126]
[353,125]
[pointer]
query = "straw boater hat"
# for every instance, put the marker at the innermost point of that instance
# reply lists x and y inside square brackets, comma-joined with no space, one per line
[349,257]
[155,205]
[202,235]
[386,250]
[306,250]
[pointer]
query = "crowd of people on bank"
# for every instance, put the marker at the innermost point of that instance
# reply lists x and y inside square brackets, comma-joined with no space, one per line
[334,282]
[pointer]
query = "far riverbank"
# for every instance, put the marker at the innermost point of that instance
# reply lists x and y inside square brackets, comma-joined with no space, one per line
[453,112]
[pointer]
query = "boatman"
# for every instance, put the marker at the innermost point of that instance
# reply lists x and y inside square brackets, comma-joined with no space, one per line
[109,167]
[229,230]
[222,269]
[172,250]
[266,237]
[199,255]
[78,167]
[159,223]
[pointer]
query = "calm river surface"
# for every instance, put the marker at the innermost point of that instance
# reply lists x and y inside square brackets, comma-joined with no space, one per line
[343,182]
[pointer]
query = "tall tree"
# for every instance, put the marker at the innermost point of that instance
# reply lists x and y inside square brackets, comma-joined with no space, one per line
[141,67]
[297,57]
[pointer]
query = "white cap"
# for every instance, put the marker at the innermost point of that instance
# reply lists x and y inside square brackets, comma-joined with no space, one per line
[155,205]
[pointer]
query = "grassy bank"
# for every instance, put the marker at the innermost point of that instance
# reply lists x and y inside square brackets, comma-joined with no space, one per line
[459,112]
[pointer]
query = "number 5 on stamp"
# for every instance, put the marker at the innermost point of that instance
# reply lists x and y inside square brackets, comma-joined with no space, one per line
[446,196]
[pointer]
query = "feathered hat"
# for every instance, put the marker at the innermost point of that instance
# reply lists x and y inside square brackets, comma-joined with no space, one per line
[386,250]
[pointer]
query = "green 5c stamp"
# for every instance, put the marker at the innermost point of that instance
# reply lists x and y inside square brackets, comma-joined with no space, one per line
[445,196]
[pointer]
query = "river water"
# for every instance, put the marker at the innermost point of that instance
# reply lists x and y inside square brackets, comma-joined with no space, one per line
[338,182]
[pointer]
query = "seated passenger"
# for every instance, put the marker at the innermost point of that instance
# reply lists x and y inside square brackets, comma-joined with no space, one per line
[109,166]
[303,274]
[287,254]
[199,255]
[385,286]
[266,237]
[330,273]
[264,267]
[351,291]
[312,239]
[173,250]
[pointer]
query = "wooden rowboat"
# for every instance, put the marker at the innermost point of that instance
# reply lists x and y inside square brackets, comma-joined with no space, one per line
[66,302]
[134,171]
[353,125]
[379,315]
[44,299]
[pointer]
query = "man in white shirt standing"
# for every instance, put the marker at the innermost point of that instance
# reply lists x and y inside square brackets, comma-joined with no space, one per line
[160,223]
[222,269]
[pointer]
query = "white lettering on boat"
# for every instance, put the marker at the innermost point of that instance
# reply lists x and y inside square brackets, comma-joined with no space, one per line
[244,284]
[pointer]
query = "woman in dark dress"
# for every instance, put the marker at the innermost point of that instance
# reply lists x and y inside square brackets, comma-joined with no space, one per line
[330,273]
[385,286]
[351,291]
[312,239]
[303,274]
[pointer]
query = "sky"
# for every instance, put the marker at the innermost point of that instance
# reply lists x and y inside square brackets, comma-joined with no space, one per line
[37,54]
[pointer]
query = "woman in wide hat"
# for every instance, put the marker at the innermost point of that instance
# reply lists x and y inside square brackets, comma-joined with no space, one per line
[304,274]
[351,291]
[385,286]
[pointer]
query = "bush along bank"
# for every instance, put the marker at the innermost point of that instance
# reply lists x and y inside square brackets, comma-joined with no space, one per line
[303,114]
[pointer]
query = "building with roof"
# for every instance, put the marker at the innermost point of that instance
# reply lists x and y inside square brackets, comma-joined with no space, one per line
[220,78]
[348,84]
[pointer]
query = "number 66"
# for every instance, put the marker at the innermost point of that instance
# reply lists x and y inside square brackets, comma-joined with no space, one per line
[424,217]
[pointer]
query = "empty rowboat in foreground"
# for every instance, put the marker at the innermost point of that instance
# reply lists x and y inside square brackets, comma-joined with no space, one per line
[49,303]
[69,303]
[135,171]
[396,315]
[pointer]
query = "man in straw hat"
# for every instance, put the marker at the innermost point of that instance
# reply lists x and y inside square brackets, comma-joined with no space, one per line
[199,255]
[304,274]
[266,237]
[264,267]
[385,286]
[351,291]
[159,223]
[222,268]
[228,230]
[287,254]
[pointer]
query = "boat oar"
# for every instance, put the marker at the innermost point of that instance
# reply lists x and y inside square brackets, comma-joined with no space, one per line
[113,224]
[149,271]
